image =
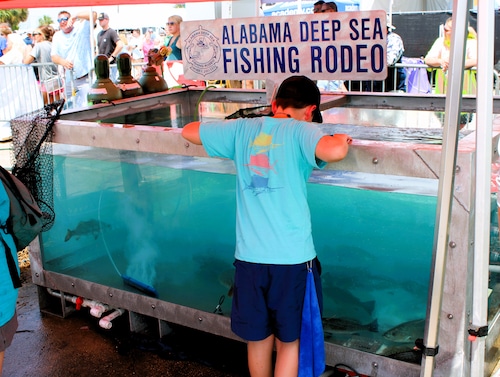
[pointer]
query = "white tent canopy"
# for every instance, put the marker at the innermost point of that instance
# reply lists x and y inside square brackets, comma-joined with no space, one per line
[406,6]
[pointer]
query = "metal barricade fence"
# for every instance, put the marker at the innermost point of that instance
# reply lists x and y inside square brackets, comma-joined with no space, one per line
[22,92]
[422,79]
[19,95]
[52,88]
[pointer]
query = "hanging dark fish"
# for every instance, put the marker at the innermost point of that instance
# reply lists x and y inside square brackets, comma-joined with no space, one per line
[86,228]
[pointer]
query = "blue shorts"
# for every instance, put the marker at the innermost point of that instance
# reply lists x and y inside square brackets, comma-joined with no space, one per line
[268,299]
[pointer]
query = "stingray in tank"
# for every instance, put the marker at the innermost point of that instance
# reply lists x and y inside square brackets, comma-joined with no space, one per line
[339,302]
[407,331]
[86,228]
[210,267]
[348,325]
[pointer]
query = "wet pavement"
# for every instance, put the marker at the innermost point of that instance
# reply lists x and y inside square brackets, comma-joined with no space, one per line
[49,346]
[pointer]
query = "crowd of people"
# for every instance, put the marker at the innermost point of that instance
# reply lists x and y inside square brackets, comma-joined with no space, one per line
[70,49]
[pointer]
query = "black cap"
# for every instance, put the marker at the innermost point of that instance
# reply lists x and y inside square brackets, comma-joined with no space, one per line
[301,91]
[102,16]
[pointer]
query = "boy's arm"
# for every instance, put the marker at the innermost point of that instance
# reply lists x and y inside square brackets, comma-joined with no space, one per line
[333,148]
[191,132]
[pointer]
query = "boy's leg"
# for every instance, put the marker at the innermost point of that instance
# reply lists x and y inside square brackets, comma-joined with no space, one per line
[287,359]
[260,357]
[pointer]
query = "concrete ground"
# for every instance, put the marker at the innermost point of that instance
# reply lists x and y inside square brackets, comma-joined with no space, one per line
[49,346]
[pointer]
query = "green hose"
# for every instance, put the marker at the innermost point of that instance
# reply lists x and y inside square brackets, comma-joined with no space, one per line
[199,100]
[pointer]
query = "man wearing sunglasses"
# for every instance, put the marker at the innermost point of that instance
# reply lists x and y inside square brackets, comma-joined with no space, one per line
[71,49]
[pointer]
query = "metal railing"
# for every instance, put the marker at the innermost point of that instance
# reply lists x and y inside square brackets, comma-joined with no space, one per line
[423,79]
[21,90]
[52,87]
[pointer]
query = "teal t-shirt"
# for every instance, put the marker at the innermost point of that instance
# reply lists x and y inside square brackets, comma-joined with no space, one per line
[176,53]
[274,159]
[8,294]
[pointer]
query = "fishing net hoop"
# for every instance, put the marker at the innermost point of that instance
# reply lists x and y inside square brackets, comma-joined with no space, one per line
[31,156]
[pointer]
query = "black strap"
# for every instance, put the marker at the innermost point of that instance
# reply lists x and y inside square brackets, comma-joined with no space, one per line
[173,40]
[16,280]
[12,185]
[479,331]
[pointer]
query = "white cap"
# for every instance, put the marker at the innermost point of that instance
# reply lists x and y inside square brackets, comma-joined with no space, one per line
[390,26]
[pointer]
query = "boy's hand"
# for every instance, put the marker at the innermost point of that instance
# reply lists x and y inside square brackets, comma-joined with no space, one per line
[347,139]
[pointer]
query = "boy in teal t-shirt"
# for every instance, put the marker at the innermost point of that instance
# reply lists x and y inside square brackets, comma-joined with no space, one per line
[274,157]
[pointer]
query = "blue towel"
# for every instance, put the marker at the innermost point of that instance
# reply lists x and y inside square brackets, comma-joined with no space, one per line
[312,346]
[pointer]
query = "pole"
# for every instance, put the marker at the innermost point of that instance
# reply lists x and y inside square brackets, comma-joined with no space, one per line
[484,121]
[446,184]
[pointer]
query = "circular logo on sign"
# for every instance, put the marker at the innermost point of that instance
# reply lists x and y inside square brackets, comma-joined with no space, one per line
[202,51]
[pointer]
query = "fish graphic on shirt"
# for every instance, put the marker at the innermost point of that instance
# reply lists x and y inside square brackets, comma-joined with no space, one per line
[260,165]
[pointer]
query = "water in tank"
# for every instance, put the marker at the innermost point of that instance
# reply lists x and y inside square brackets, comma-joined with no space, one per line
[169,222]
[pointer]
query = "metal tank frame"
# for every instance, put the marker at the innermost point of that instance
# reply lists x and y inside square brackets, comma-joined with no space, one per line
[395,158]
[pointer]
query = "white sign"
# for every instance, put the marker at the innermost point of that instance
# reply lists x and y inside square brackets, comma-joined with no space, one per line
[342,45]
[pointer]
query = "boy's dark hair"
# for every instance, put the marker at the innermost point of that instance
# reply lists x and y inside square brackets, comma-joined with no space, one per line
[299,92]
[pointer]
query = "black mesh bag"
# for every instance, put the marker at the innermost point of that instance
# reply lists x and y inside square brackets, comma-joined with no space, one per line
[32,160]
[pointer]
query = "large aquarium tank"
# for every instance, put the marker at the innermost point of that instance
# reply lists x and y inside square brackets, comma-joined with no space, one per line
[168,221]
[146,222]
